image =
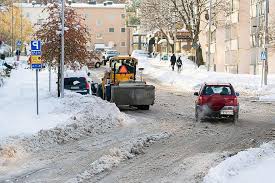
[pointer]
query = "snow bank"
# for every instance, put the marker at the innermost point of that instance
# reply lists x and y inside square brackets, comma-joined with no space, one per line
[59,121]
[191,77]
[117,155]
[253,165]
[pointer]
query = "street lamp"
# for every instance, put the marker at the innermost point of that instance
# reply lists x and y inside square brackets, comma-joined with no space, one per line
[209,34]
[175,29]
[266,41]
[62,47]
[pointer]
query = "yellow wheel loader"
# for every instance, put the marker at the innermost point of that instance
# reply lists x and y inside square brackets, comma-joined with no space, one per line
[120,86]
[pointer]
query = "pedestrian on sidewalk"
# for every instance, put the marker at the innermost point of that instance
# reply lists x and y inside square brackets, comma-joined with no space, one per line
[179,64]
[173,61]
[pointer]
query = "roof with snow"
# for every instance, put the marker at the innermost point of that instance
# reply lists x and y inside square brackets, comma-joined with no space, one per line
[74,5]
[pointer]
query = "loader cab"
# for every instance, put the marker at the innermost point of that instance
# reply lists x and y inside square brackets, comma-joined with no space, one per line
[123,68]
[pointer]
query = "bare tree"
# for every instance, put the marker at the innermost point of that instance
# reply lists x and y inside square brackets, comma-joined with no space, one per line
[162,15]
[155,15]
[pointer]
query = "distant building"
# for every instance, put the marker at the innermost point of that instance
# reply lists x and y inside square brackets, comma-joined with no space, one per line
[236,45]
[106,23]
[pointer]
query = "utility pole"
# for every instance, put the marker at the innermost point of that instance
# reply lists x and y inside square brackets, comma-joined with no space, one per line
[12,36]
[266,41]
[21,24]
[209,34]
[62,48]
[175,30]
[257,38]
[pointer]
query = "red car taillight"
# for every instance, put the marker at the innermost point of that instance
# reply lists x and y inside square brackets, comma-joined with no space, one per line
[87,86]
[235,103]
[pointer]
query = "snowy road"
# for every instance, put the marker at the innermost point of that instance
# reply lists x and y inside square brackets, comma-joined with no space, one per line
[185,156]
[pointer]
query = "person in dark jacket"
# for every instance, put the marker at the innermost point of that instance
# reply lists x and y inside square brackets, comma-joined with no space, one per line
[179,64]
[173,61]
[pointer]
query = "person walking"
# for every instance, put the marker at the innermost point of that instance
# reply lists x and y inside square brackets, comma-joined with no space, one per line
[173,61]
[179,64]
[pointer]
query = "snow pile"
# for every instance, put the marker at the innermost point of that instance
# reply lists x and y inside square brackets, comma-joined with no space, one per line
[18,105]
[117,155]
[87,116]
[59,121]
[94,116]
[253,165]
[191,77]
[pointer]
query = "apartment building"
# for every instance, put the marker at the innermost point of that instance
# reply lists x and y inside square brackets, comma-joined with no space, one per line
[237,39]
[106,23]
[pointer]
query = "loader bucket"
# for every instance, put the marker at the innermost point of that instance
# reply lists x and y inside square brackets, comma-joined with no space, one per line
[133,95]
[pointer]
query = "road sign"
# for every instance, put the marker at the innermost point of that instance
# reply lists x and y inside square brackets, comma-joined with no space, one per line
[18,43]
[36,64]
[263,55]
[36,54]
[36,45]
[36,61]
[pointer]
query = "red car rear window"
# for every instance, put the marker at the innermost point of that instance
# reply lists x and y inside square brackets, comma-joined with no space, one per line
[217,89]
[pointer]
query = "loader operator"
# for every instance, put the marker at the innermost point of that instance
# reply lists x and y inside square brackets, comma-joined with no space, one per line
[129,68]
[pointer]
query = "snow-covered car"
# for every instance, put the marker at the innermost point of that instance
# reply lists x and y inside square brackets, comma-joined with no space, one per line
[217,101]
[77,84]
[140,54]
[109,54]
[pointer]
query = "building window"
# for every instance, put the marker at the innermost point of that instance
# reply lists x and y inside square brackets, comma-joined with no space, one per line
[123,29]
[111,29]
[122,44]
[123,16]
[99,36]
[98,22]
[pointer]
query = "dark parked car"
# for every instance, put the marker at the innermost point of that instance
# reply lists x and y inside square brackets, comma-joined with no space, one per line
[217,101]
[77,84]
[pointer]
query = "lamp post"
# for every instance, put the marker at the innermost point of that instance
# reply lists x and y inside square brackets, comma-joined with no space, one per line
[266,41]
[12,36]
[175,29]
[62,47]
[209,34]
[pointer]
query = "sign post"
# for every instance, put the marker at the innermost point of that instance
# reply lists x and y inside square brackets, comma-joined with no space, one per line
[36,64]
[263,59]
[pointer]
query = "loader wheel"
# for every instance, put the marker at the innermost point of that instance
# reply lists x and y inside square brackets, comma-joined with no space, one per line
[144,107]
[99,92]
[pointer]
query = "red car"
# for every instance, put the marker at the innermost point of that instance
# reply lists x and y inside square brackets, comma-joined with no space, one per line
[217,101]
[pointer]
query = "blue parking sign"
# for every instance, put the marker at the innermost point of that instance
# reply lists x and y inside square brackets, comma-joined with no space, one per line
[18,43]
[35,45]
